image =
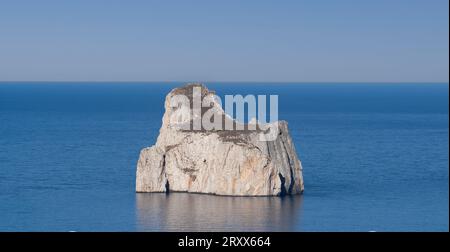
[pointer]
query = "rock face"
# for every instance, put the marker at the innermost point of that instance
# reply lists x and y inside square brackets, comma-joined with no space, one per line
[222,162]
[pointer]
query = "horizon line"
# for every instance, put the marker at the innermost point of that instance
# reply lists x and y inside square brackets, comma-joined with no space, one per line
[231,82]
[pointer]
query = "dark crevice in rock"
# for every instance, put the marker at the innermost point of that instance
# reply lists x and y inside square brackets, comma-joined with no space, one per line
[167,186]
[188,170]
[283,181]
[163,165]
[163,170]
[291,185]
[169,147]
[226,158]
[268,148]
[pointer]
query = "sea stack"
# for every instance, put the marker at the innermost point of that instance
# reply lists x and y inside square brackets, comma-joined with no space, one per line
[217,161]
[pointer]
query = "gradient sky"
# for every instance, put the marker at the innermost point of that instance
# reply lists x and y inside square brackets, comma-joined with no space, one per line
[315,40]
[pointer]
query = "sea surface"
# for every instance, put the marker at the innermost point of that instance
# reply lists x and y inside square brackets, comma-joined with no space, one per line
[375,158]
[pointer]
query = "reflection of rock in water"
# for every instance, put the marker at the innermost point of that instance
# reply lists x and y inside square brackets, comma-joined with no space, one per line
[200,212]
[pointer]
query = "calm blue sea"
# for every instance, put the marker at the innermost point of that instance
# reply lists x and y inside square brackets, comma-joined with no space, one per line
[375,157]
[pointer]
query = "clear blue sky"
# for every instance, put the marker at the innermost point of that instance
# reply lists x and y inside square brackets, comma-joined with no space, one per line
[315,40]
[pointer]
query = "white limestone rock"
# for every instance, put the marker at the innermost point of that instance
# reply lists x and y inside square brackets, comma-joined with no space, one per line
[221,162]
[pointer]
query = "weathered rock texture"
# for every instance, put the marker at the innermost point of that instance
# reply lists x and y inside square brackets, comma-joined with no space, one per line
[221,162]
